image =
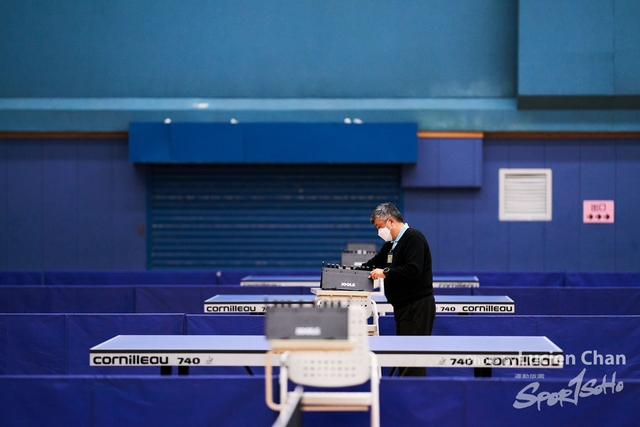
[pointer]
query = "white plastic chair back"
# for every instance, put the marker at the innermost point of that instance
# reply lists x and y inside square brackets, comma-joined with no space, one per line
[335,368]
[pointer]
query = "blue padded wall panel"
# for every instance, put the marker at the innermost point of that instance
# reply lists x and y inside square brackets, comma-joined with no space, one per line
[593,301]
[32,344]
[129,212]
[500,395]
[66,299]
[222,324]
[426,171]
[86,331]
[455,226]
[445,162]
[190,299]
[95,203]
[597,169]
[597,411]
[220,402]
[421,212]
[60,229]
[597,182]
[4,204]
[171,299]
[82,401]
[521,279]
[70,204]
[491,237]
[461,163]
[562,234]
[47,401]
[217,324]
[604,335]
[247,324]
[132,277]
[598,301]
[526,247]
[405,411]
[25,198]
[530,300]
[627,206]
[23,277]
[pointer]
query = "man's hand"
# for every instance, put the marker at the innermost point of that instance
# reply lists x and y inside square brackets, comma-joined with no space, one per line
[377,274]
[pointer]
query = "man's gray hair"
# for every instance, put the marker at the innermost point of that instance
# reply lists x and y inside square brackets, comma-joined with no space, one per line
[385,211]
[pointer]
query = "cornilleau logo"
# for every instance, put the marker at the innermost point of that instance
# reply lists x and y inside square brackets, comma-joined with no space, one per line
[347,284]
[308,331]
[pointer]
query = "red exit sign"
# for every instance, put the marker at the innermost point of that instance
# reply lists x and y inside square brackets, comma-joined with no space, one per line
[597,211]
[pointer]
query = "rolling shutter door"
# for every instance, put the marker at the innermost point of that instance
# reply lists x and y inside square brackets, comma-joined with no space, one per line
[260,217]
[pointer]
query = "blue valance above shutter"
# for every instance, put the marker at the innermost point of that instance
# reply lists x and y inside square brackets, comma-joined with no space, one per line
[273,143]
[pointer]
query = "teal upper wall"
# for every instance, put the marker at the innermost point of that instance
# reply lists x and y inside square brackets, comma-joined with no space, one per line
[258,49]
[77,65]
[580,48]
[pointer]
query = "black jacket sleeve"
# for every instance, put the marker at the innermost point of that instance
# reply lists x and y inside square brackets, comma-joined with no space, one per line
[380,259]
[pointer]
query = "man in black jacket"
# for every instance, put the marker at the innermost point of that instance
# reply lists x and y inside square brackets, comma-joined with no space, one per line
[404,262]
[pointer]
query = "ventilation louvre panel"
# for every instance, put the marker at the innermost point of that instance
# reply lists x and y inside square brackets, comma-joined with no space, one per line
[525,195]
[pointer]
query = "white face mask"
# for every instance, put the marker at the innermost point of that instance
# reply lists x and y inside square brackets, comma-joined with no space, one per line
[385,234]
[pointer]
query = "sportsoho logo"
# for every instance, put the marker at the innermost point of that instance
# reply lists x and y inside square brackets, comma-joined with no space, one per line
[577,388]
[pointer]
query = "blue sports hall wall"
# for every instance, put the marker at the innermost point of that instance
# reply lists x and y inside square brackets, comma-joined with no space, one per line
[465,234]
[79,204]
[70,204]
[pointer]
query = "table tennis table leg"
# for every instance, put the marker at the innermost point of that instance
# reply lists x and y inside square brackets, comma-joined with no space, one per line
[168,370]
[482,372]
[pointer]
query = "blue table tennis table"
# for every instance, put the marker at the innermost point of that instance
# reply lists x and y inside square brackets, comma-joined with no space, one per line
[480,352]
[445,304]
[314,281]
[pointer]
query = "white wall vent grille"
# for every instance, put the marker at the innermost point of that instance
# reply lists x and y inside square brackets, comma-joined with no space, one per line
[525,195]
